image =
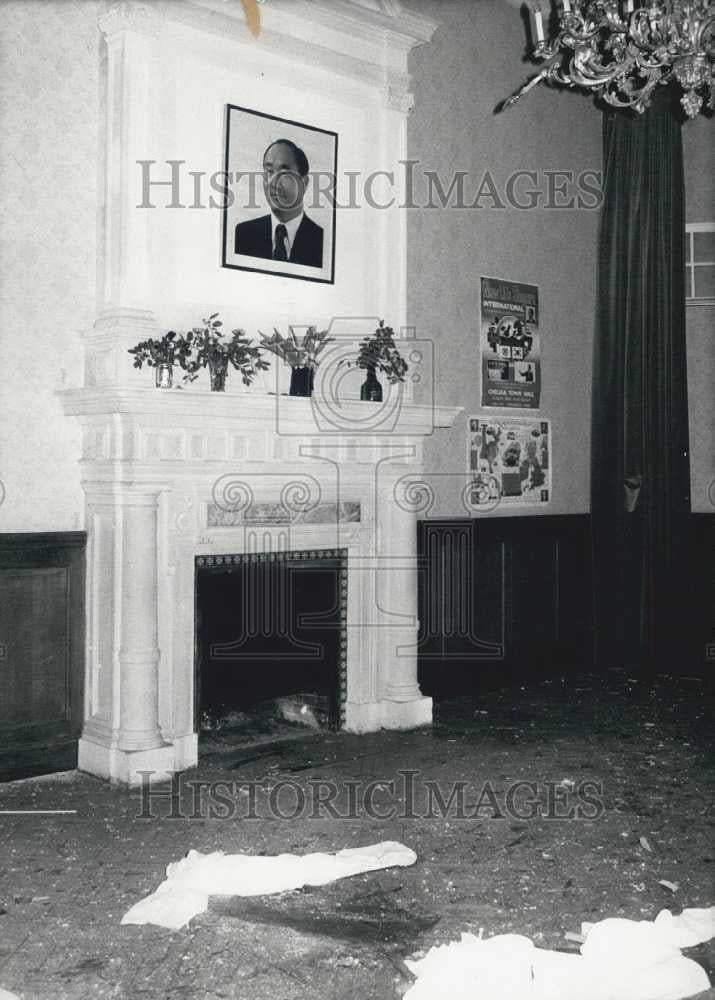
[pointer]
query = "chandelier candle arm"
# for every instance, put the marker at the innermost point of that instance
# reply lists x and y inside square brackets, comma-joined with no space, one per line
[622,53]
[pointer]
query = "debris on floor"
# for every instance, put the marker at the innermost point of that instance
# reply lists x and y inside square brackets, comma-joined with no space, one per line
[306,709]
[212,720]
[95,854]
[633,959]
[189,883]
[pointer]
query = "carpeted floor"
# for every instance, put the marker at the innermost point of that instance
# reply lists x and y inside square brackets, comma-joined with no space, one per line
[571,799]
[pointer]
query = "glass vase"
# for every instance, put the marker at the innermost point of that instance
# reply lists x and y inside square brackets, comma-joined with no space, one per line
[218,370]
[164,376]
[301,381]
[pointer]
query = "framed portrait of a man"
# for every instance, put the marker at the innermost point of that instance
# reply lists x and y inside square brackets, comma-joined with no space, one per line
[279,215]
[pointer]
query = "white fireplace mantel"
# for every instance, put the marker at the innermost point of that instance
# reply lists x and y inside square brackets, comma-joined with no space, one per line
[173,475]
[170,475]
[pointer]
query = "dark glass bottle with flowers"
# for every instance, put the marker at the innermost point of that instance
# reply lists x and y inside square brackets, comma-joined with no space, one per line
[378,353]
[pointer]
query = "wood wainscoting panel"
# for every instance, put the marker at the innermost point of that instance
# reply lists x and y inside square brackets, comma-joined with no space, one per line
[699,630]
[41,651]
[502,596]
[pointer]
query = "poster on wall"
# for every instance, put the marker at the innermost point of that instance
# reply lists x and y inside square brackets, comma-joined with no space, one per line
[280,218]
[509,461]
[509,344]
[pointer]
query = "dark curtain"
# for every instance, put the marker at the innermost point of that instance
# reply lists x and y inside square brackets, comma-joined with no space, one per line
[640,474]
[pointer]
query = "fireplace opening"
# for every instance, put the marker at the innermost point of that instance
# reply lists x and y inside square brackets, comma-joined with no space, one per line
[271,640]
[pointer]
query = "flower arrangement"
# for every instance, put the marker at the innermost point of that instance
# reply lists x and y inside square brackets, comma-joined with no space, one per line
[207,349]
[171,349]
[379,353]
[298,353]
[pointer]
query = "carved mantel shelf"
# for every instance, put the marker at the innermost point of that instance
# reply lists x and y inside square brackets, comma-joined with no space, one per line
[293,415]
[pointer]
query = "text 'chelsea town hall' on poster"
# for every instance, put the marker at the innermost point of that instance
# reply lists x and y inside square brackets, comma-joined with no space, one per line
[509,343]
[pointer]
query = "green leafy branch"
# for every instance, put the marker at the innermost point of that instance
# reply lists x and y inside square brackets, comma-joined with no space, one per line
[171,349]
[379,352]
[207,348]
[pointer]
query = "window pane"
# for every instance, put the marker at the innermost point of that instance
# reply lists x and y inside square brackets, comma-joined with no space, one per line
[687,246]
[704,246]
[705,282]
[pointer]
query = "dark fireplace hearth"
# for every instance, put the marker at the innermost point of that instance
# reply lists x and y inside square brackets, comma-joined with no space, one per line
[271,628]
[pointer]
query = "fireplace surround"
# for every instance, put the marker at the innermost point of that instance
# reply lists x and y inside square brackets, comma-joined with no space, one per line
[170,477]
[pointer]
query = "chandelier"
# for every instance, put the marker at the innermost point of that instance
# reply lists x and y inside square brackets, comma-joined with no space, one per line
[623,53]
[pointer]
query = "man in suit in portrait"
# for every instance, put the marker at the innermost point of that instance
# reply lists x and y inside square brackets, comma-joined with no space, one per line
[287,234]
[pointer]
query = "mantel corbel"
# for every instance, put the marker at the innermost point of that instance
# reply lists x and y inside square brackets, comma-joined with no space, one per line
[397,95]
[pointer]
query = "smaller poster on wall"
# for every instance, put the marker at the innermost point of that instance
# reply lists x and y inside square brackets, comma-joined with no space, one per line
[509,344]
[509,461]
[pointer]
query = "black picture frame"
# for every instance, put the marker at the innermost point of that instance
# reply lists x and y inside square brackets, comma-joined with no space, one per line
[248,135]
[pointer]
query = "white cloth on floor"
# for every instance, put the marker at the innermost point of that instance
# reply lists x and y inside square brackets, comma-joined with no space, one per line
[620,960]
[189,882]
[691,927]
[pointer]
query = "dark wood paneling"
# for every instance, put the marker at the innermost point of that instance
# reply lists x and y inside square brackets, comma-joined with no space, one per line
[41,651]
[526,585]
[699,638]
[502,596]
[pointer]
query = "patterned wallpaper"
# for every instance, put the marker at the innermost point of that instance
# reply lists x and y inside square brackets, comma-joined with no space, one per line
[49,79]
[49,86]
[474,62]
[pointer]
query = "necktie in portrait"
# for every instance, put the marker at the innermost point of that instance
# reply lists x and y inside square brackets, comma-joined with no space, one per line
[279,250]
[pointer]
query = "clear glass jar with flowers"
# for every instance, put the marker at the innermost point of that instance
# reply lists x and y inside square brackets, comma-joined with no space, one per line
[208,349]
[163,354]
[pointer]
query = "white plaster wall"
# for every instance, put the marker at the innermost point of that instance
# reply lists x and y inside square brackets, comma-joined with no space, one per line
[194,76]
[474,62]
[48,179]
